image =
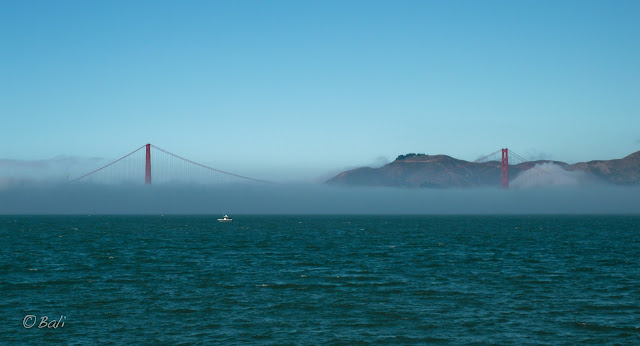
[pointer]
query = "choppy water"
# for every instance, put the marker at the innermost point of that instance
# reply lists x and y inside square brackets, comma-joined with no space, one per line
[319,279]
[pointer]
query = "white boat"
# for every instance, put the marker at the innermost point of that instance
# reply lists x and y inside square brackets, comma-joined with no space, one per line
[225,218]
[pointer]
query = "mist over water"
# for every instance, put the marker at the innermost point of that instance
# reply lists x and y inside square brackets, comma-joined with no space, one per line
[313,199]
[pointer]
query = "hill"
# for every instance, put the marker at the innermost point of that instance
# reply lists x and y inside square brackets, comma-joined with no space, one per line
[442,171]
[625,171]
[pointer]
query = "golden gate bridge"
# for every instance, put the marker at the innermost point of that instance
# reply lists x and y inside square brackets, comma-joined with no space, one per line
[162,166]
[165,167]
[528,169]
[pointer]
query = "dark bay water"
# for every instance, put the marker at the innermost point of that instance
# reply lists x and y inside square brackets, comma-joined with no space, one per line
[321,279]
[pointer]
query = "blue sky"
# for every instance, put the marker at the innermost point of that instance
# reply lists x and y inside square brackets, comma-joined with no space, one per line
[297,89]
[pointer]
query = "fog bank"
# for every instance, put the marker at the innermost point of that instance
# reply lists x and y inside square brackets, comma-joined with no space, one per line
[312,199]
[549,174]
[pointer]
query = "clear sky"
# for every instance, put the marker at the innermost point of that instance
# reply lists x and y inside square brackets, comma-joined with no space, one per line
[298,89]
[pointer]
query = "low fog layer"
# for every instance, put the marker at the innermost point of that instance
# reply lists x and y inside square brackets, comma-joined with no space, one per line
[59,168]
[551,175]
[311,199]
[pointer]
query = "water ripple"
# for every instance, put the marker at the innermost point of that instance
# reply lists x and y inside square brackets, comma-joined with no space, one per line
[302,279]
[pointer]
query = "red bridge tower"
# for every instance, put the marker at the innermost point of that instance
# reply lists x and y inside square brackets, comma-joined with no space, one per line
[147,171]
[505,168]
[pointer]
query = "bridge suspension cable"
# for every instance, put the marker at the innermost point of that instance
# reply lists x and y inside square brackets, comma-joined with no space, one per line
[525,160]
[107,165]
[487,156]
[207,167]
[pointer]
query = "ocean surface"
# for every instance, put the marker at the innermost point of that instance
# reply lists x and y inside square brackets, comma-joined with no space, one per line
[320,279]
